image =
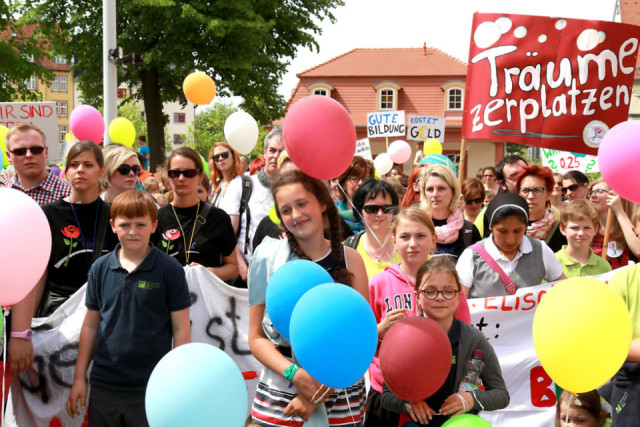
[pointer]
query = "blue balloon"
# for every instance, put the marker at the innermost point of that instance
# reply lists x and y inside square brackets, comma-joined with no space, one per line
[287,284]
[334,334]
[439,159]
[2,158]
[196,384]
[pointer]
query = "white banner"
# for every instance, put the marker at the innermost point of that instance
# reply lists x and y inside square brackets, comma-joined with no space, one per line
[219,316]
[564,161]
[385,123]
[421,128]
[41,114]
[363,149]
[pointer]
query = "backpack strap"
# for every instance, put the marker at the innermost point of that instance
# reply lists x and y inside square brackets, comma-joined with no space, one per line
[551,232]
[352,241]
[467,233]
[506,280]
[247,188]
[201,219]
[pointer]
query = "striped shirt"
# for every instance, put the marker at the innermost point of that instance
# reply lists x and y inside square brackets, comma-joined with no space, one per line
[46,191]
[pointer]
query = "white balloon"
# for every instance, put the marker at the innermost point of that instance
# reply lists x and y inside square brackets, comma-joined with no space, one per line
[241,132]
[383,163]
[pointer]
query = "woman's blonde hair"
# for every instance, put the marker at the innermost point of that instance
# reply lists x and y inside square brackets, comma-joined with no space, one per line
[617,234]
[114,156]
[416,214]
[446,174]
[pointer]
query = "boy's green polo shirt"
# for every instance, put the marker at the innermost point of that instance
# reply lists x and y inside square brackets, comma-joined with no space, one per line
[595,265]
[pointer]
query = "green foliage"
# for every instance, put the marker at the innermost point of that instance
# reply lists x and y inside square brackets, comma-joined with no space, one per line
[208,127]
[133,112]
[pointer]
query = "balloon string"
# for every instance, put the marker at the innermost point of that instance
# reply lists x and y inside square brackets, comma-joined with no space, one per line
[346,395]
[566,417]
[5,314]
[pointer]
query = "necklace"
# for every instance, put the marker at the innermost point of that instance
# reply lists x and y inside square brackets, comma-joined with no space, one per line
[95,228]
[187,253]
[379,253]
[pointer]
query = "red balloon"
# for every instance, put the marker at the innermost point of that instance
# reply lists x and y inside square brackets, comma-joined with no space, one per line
[415,358]
[319,136]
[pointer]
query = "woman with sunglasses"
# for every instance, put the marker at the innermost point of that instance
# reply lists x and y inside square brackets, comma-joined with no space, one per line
[226,168]
[439,196]
[358,171]
[376,202]
[535,185]
[122,171]
[473,194]
[624,245]
[575,185]
[194,231]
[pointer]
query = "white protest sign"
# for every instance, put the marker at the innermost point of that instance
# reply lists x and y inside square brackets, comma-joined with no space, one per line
[385,123]
[41,114]
[563,161]
[363,149]
[421,128]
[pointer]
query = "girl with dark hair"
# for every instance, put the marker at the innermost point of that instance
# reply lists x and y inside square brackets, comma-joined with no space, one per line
[580,409]
[506,260]
[358,171]
[473,194]
[376,202]
[226,168]
[303,204]
[193,231]
[535,184]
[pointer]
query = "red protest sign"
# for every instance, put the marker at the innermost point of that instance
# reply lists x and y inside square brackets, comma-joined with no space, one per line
[550,82]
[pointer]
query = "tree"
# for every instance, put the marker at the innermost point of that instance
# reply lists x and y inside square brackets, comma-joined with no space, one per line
[208,127]
[132,112]
[19,51]
[244,45]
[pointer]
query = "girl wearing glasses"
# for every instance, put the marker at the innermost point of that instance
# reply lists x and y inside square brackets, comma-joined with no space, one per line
[535,185]
[439,196]
[303,204]
[122,171]
[506,260]
[624,245]
[391,294]
[226,168]
[438,289]
[193,231]
[473,194]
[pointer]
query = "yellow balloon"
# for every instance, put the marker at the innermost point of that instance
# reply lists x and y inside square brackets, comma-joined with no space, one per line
[3,146]
[122,131]
[199,88]
[68,138]
[273,216]
[581,333]
[376,175]
[432,146]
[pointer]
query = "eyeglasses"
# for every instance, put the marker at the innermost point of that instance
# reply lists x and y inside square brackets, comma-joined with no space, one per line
[188,173]
[572,188]
[599,192]
[535,190]
[489,176]
[356,179]
[125,169]
[433,293]
[225,155]
[476,201]
[23,151]
[374,209]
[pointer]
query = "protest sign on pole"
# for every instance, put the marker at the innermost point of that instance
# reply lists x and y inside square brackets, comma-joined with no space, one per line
[385,123]
[549,82]
[564,161]
[363,149]
[41,114]
[421,128]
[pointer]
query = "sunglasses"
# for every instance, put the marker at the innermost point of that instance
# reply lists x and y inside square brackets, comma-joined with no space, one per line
[187,173]
[23,151]
[374,209]
[476,201]
[571,188]
[216,157]
[433,293]
[125,169]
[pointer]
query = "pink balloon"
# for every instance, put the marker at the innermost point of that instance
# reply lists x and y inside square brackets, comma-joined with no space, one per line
[319,136]
[87,124]
[26,245]
[399,151]
[618,158]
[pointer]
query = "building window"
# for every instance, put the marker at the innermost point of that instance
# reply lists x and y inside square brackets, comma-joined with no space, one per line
[54,84]
[61,108]
[179,118]
[59,60]
[63,83]
[386,99]
[31,58]
[320,91]
[177,139]
[63,133]
[454,99]
[31,83]
[122,92]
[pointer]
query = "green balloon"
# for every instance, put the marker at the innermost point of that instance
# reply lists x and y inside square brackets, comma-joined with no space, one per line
[466,420]
[205,166]
[1,320]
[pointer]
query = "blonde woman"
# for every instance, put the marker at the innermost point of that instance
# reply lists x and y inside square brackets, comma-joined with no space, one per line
[122,171]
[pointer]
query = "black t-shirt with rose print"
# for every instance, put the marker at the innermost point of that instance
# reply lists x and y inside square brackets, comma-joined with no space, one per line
[72,241]
[214,239]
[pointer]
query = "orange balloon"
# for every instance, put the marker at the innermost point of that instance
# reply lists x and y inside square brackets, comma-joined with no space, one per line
[199,88]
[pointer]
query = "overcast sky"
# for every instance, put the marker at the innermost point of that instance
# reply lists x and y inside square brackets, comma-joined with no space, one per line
[443,24]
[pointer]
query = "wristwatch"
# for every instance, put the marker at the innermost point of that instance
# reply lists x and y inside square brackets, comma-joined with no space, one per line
[26,335]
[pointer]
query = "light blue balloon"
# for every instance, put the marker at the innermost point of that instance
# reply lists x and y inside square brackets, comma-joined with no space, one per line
[3,158]
[287,284]
[439,159]
[196,385]
[334,334]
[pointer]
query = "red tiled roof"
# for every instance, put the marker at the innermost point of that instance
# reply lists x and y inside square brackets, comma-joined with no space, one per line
[389,62]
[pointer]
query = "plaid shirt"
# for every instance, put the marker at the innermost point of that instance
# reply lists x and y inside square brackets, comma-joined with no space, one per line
[48,190]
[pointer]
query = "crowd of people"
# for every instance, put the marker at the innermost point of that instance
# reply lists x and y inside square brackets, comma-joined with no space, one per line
[416,244]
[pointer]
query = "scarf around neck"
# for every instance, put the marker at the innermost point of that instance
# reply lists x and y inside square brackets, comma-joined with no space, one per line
[540,228]
[448,233]
[263,179]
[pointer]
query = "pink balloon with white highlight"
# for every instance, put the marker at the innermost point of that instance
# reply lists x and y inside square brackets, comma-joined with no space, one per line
[87,124]
[399,151]
[619,156]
